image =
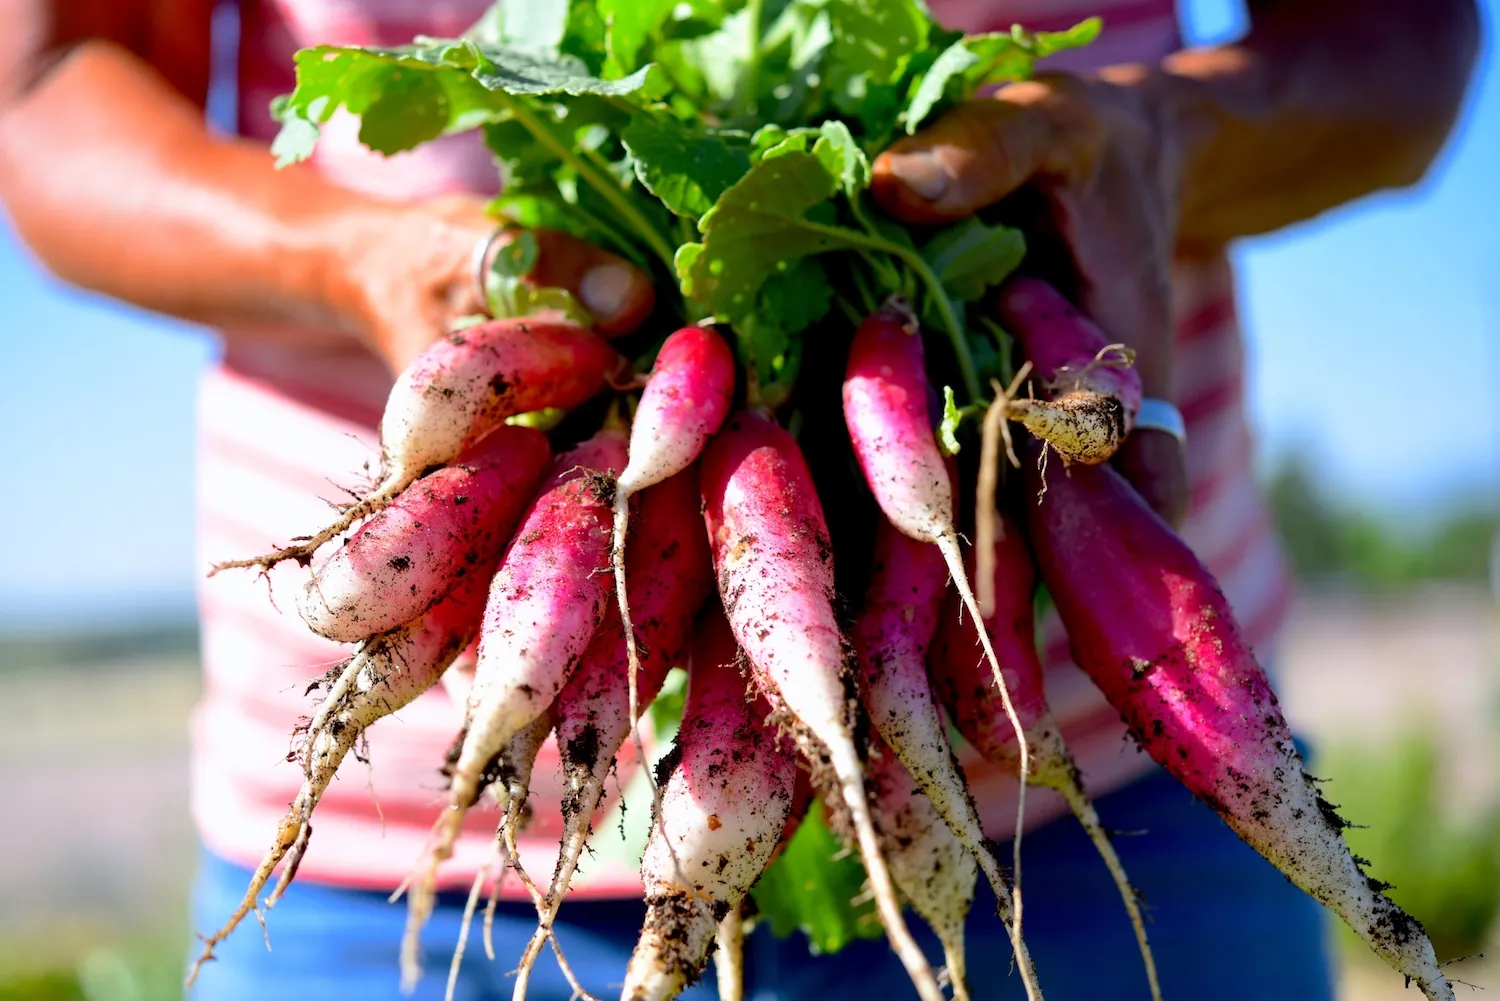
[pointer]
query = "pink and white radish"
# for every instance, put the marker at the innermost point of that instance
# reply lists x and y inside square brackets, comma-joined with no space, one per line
[683,405]
[722,813]
[1093,387]
[775,572]
[511,786]
[410,554]
[671,575]
[963,680]
[1150,626]
[385,675]
[931,868]
[544,604]
[908,584]
[459,390]
[885,409]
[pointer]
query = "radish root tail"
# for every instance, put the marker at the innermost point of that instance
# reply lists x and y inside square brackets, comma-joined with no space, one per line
[851,782]
[302,550]
[1063,776]
[633,670]
[948,544]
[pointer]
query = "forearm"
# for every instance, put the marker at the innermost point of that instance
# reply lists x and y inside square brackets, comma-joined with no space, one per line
[1320,103]
[113,180]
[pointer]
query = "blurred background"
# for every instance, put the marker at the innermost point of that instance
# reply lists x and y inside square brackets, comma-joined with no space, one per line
[1375,385]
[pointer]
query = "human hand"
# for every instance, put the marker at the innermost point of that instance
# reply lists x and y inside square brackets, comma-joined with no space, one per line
[411,274]
[1103,153]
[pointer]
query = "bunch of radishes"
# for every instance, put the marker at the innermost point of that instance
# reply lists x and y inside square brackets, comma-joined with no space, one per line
[476,529]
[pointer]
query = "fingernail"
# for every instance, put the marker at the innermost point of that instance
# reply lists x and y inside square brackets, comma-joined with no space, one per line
[605,288]
[922,173]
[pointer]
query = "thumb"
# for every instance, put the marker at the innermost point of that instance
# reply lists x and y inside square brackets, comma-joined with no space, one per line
[615,292]
[976,154]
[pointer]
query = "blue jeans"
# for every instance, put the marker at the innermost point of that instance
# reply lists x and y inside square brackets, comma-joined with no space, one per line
[1224,925]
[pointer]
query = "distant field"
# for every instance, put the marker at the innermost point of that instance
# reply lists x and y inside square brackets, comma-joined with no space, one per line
[96,856]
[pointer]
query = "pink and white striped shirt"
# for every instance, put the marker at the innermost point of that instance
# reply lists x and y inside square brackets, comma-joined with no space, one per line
[282,430]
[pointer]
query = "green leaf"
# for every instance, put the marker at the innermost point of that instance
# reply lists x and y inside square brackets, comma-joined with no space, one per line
[841,154]
[295,141]
[970,257]
[528,27]
[977,61]
[933,89]
[687,167]
[1081,34]
[948,429]
[410,108]
[414,93]
[508,293]
[811,888]
[872,42]
[629,25]
[666,709]
[758,224]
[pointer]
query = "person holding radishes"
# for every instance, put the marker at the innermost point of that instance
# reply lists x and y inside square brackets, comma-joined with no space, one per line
[1131,164]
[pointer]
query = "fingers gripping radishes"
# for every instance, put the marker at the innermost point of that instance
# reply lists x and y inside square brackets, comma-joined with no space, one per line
[544,604]
[1093,388]
[410,554]
[459,390]
[722,812]
[775,573]
[1150,626]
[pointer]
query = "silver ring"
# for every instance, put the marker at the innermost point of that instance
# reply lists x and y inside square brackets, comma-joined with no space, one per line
[1159,415]
[480,262]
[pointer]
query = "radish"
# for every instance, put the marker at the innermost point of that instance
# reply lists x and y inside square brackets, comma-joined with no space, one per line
[962,678]
[932,869]
[890,639]
[885,409]
[722,813]
[671,572]
[385,675]
[683,405]
[408,556]
[511,786]
[775,571]
[1093,387]
[1150,626]
[729,956]
[459,390]
[544,604]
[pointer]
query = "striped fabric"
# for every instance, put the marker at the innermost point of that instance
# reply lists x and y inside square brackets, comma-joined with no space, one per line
[285,431]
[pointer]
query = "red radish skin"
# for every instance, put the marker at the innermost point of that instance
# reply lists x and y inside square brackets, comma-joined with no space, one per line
[1093,389]
[409,555]
[909,580]
[462,388]
[384,676]
[1150,626]
[774,564]
[963,680]
[544,604]
[932,869]
[684,404]
[671,574]
[885,409]
[723,810]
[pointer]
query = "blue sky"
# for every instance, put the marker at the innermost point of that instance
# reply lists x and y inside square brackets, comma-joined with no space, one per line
[1374,343]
